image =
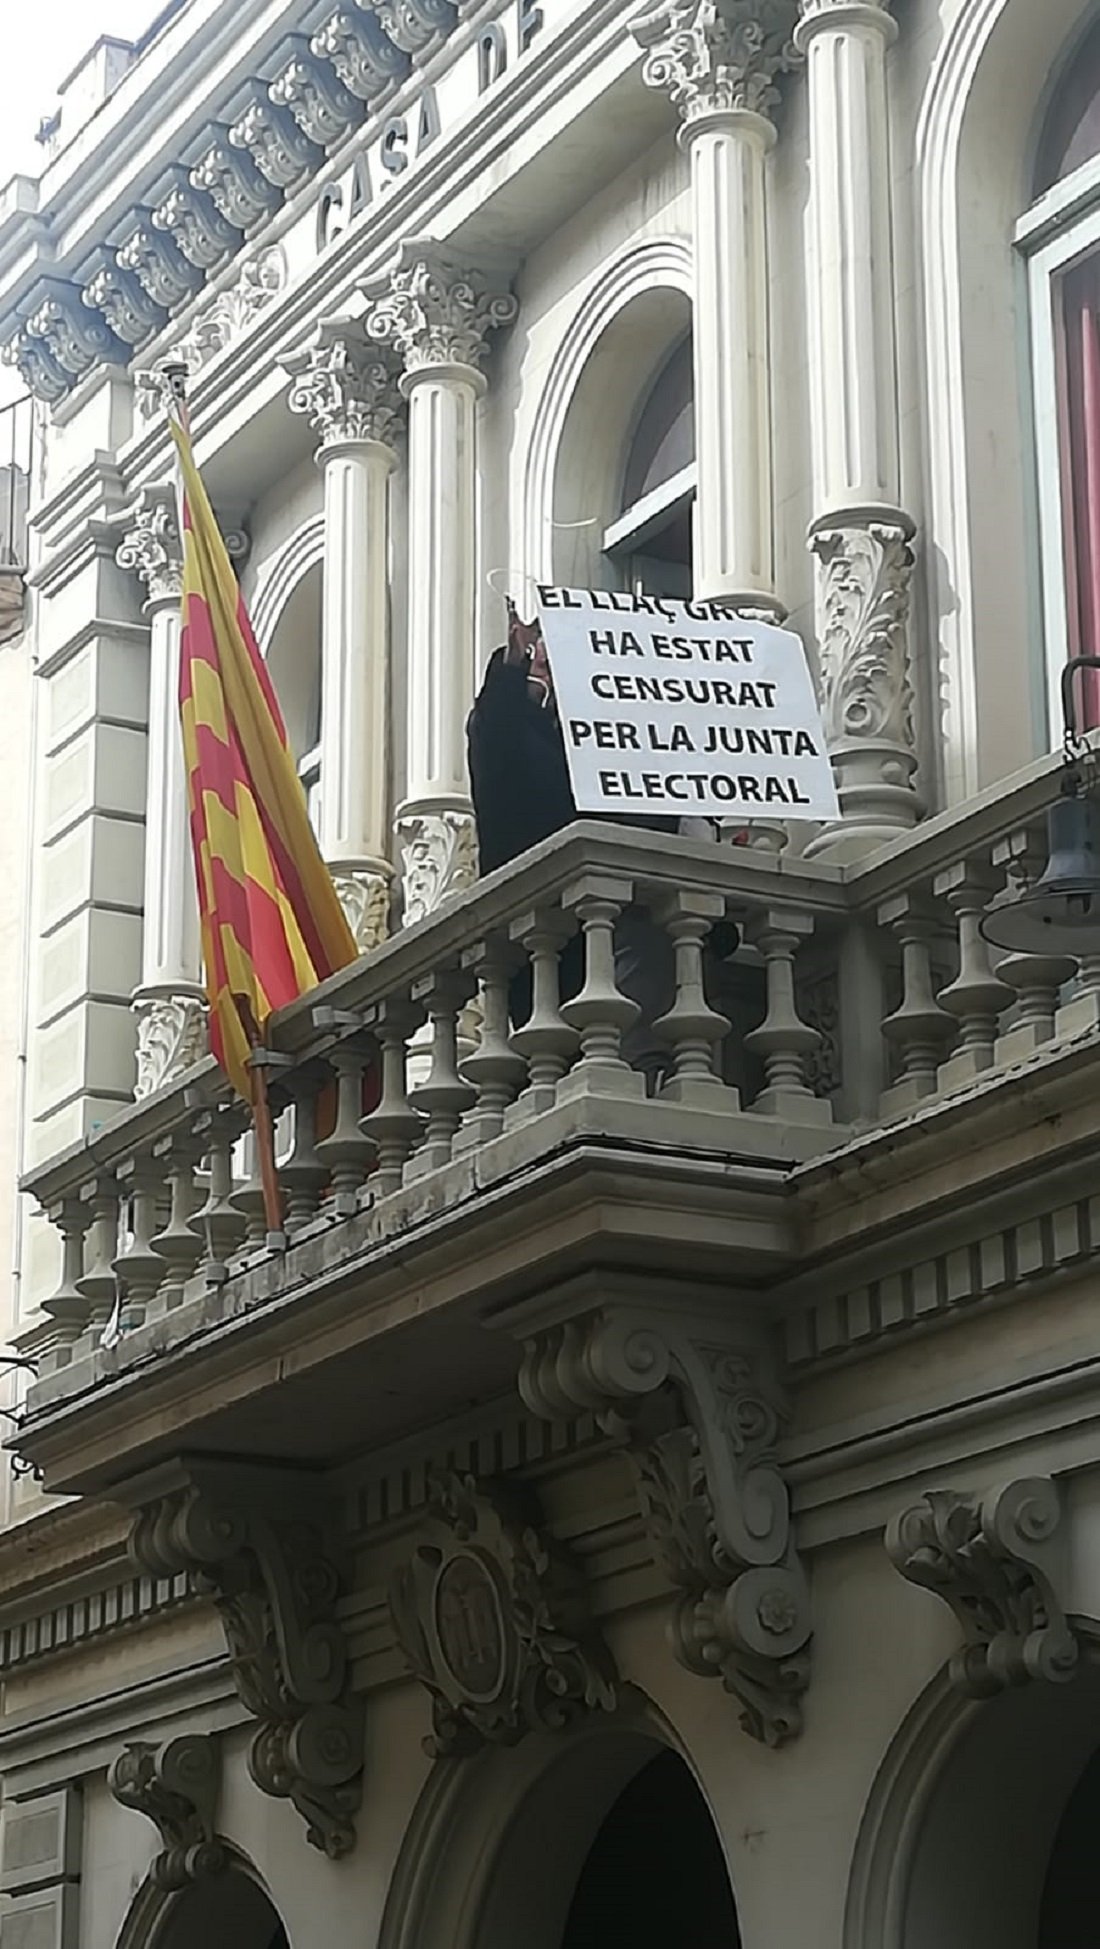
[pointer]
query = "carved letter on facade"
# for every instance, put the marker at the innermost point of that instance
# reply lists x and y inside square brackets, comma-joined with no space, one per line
[176,1787]
[699,1421]
[255,1549]
[997,1561]
[493,1619]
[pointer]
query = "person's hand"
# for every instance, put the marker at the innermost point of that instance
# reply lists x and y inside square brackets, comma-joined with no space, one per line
[522,637]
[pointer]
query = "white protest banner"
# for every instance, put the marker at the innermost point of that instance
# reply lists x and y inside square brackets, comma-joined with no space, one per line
[681,708]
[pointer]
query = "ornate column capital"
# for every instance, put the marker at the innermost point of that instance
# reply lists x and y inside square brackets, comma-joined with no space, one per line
[999,1562]
[847,16]
[347,387]
[152,547]
[718,56]
[436,310]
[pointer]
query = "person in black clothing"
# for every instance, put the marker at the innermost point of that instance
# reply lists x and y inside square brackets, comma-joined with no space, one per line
[519,783]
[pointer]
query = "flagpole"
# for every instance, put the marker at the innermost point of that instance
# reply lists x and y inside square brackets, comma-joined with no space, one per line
[175,375]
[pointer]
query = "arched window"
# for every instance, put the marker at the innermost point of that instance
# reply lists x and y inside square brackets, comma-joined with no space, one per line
[294,659]
[1060,236]
[651,539]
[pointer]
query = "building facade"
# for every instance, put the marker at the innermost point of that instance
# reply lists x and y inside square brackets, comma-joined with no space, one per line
[604,1514]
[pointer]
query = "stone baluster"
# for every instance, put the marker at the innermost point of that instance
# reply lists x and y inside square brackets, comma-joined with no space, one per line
[546,1042]
[600,1014]
[495,1070]
[394,1127]
[439,314]
[219,1224]
[177,1243]
[304,1174]
[783,1040]
[99,1284]
[169,1004]
[721,71]
[861,536]
[444,1096]
[1036,979]
[348,388]
[139,1265]
[977,997]
[346,1152]
[693,1030]
[919,1026]
[248,1200]
[67,1310]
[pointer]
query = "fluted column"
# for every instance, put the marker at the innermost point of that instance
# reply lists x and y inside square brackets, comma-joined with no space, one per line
[860,534]
[348,389]
[439,314]
[169,1003]
[721,70]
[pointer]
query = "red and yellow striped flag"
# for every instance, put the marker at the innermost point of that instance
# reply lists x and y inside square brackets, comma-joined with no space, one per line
[272,925]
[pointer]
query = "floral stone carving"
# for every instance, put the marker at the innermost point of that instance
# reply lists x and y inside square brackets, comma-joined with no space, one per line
[254,1546]
[493,1619]
[176,1787]
[172,1038]
[713,55]
[698,1419]
[997,1561]
[438,851]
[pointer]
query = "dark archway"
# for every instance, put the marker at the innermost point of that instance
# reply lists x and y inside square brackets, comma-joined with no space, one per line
[655,1876]
[1070,1914]
[229,1909]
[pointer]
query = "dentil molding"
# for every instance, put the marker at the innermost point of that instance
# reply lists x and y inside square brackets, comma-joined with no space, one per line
[176,1787]
[998,1562]
[492,1617]
[694,1404]
[255,1543]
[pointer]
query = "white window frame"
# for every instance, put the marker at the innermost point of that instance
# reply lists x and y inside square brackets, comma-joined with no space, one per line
[1061,227]
[309,771]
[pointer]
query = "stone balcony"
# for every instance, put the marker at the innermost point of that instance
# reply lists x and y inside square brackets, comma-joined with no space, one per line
[459,1197]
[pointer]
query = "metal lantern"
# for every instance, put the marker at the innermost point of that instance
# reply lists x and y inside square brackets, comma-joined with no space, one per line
[1060,914]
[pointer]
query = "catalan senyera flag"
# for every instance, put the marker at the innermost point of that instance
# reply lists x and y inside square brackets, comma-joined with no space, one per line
[272,925]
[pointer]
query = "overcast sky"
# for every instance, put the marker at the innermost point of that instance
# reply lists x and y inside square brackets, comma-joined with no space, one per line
[42,44]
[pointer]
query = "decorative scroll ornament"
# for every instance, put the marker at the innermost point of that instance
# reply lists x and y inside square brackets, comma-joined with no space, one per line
[322,107]
[348,390]
[416,26]
[230,178]
[158,266]
[231,314]
[997,1561]
[73,339]
[176,1787]
[493,1619]
[436,311]
[173,1036]
[130,312]
[36,366]
[438,853]
[274,141]
[365,898]
[866,580]
[255,1550]
[699,1422]
[151,548]
[199,230]
[367,62]
[718,54]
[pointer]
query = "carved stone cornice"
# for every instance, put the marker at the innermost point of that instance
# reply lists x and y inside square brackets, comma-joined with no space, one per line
[37,367]
[493,1618]
[998,1561]
[347,387]
[199,230]
[274,141]
[436,310]
[232,312]
[235,186]
[718,55]
[61,341]
[695,1406]
[866,576]
[151,546]
[323,108]
[130,312]
[368,63]
[176,1787]
[254,1543]
[158,266]
[417,27]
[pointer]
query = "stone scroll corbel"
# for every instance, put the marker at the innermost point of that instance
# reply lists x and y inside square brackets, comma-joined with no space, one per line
[176,1787]
[254,1542]
[998,1561]
[696,1410]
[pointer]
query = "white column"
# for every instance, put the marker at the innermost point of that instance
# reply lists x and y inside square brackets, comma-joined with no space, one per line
[439,314]
[860,534]
[721,71]
[169,1004]
[350,393]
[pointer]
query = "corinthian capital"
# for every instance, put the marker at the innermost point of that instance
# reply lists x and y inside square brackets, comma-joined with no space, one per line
[346,387]
[718,54]
[435,310]
[151,545]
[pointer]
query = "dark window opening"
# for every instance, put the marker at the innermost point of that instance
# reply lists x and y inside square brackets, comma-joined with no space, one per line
[1071,1897]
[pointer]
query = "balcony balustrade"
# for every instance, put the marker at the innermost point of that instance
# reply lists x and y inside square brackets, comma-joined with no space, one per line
[856,996]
